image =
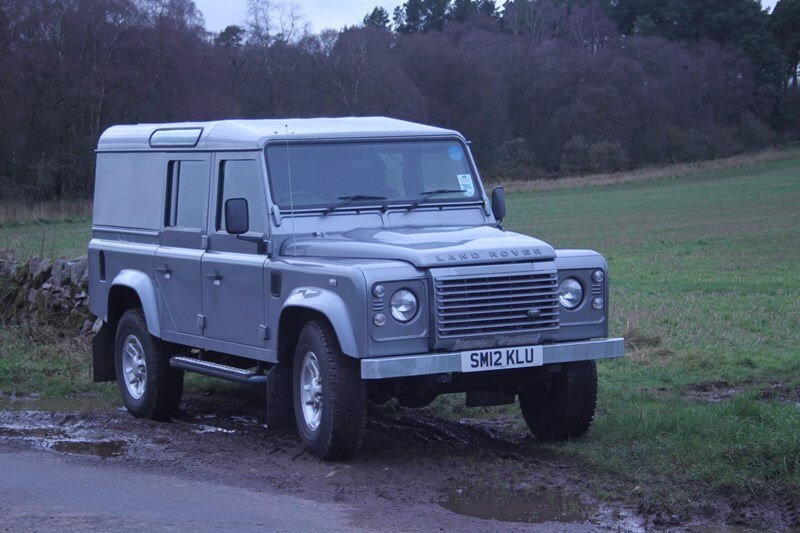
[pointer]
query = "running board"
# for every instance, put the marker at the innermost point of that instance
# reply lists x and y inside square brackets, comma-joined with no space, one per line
[231,373]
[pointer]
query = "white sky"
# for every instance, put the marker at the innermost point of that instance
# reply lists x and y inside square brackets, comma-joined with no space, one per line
[322,14]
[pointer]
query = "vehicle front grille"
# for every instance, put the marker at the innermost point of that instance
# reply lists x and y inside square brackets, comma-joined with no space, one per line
[496,304]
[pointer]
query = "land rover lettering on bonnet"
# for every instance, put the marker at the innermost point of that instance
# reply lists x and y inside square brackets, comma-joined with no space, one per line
[332,262]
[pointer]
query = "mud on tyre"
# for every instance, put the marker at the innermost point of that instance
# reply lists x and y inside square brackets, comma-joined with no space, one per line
[150,387]
[562,407]
[330,402]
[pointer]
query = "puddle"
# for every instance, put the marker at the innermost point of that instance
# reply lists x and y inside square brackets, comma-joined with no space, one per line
[212,429]
[105,449]
[28,432]
[720,529]
[531,506]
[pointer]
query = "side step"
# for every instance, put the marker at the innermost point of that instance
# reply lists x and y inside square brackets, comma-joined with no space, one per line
[190,364]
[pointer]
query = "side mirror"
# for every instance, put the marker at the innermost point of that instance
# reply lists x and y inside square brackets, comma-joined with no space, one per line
[237,216]
[499,205]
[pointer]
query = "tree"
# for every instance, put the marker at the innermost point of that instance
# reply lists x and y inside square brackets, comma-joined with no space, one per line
[410,17]
[550,81]
[230,42]
[461,10]
[378,17]
[785,22]
[740,23]
[274,30]
[416,16]
[366,78]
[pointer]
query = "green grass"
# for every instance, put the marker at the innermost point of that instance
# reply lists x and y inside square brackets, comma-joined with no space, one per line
[705,285]
[39,370]
[68,238]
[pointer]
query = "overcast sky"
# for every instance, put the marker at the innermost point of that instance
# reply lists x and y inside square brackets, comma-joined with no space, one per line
[321,14]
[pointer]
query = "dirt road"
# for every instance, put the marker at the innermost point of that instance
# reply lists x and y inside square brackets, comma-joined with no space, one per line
[214,470]
[41,491]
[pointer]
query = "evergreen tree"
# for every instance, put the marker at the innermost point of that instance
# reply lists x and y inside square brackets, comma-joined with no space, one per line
[378,18]
[785,22]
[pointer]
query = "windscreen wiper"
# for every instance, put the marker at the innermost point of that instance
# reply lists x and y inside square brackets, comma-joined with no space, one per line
[347,200]
[427,195]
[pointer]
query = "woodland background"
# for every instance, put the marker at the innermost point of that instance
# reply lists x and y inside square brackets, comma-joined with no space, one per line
[541,87]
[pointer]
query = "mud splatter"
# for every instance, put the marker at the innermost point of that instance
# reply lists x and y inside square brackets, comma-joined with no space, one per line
[520,504]
[715,391]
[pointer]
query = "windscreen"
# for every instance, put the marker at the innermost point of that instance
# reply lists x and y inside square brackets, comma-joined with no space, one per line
[374,173]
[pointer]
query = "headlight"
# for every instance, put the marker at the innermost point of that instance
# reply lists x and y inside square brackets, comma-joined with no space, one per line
[570,293]
[404,305]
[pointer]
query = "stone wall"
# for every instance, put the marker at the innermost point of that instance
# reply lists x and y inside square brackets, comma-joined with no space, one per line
[41,291]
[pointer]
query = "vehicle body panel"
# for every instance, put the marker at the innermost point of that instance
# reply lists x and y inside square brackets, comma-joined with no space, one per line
[208,290]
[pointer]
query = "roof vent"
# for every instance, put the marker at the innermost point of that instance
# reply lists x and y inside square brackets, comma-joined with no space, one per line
[175,137]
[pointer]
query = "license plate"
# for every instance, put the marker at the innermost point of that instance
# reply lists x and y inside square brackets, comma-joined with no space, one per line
[501,358]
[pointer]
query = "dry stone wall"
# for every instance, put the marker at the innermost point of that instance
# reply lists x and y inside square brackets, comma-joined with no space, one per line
[41,291]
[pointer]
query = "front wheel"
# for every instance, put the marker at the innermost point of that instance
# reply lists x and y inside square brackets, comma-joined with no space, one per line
[562,407]
[330,401]
[150,387]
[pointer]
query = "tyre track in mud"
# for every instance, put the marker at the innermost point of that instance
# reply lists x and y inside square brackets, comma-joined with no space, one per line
[409,462]
[412,464]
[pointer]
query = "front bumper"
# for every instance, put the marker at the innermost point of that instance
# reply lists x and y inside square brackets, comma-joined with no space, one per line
[443,363]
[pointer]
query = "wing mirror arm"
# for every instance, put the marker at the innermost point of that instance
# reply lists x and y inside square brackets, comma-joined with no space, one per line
[237,222]
[499,205]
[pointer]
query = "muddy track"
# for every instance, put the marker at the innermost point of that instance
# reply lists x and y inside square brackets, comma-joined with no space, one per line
[416,471]
[412,463]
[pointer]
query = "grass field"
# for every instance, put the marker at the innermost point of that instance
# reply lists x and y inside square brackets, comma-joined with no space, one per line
[67,238]
[704,285]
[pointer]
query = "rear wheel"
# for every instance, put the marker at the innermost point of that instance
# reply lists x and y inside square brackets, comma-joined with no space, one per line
[150,387]
[330,401]
[562,407]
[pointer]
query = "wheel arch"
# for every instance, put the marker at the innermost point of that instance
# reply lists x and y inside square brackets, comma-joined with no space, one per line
[131,289]
[305,304]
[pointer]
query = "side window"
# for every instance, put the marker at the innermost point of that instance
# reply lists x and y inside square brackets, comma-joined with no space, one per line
[187,194]
[240,178]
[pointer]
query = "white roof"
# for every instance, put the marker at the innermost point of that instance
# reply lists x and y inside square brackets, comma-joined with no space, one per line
[254,134]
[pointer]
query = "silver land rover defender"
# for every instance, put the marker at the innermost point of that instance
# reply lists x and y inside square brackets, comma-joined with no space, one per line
[332,261]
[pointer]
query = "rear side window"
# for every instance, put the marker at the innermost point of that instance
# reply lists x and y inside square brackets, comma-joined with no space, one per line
[187,194]
[241,179]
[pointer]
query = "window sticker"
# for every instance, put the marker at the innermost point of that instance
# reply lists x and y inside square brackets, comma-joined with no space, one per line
[454,151]
[466,184]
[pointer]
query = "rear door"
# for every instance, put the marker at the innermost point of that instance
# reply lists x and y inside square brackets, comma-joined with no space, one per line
[183,240]
[234,299]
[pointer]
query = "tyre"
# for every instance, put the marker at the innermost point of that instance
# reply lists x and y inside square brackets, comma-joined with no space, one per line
[150,387]
[562,407]
[330,400]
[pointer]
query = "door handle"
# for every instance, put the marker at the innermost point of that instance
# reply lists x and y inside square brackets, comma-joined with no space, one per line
[165,270]
[215,277]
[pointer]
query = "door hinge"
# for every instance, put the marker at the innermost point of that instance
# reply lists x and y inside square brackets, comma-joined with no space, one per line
[263,332]
[204,242]
[201,322]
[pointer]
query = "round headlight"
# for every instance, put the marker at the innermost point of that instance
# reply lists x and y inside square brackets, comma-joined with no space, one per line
[404,305]
[570,293]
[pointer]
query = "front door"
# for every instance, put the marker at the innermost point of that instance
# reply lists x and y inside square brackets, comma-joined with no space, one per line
[234,289]
[178,259]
